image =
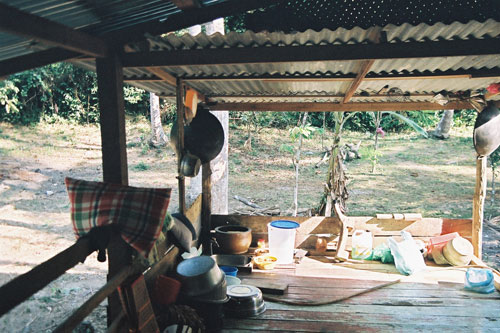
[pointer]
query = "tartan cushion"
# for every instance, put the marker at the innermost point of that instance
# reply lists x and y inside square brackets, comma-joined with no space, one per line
[138,212]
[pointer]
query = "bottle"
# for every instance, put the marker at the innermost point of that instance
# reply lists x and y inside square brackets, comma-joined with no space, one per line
[362,244]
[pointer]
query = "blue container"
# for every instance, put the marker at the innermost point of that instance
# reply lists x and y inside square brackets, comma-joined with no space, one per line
[229,270]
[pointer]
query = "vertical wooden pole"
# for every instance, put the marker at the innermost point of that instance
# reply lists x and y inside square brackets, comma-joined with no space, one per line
[114,158]
[180,140]
[206,207]
[478,206]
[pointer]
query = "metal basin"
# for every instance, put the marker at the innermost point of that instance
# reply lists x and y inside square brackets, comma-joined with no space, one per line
[199,276]
[244,301]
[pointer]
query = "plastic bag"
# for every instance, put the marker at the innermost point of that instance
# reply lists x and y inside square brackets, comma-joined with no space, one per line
[407,256]
[383,253]
[362,243]
[479,280]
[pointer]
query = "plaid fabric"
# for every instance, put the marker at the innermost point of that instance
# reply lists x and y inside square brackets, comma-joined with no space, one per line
[138,212]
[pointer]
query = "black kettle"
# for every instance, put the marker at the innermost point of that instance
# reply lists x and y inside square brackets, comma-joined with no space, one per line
[487,130]
[203,137]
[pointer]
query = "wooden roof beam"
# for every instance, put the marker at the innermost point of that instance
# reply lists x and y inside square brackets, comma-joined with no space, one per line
[365,68]
[280,54]
[48,32]
[332,107]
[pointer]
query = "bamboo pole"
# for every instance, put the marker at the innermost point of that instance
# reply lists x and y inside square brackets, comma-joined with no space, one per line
[478,206]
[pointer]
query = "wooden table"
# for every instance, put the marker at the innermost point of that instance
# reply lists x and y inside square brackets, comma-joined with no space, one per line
[434,300]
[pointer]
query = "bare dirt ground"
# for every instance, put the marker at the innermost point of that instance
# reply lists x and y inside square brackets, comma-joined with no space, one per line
[435,178]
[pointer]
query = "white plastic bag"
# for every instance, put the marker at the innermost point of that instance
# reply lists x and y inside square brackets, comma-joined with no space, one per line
[407,256]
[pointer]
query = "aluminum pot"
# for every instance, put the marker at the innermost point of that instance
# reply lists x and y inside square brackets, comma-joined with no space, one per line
[233,239]
[244,301]
[199,276]
[486,130]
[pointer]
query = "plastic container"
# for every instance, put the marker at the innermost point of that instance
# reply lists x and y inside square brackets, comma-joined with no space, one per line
[229,270]
[281,235]
[166,290]
[479,280]
[362,244]
[438,242]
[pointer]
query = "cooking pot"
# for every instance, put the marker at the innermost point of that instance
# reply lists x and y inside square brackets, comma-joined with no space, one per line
[203,137]
[233,239]
[486,130]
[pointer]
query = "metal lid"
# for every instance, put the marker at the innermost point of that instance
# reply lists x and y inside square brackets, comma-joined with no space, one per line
[285,224]
[242,291]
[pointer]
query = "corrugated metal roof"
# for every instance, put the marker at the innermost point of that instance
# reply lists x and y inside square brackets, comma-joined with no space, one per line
[96,17]
[209,79]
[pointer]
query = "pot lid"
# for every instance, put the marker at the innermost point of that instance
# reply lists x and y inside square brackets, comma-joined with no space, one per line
[285,224]
[242,291]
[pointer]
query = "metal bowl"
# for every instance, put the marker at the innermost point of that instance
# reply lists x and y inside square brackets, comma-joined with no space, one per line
[244,301]
[199,276]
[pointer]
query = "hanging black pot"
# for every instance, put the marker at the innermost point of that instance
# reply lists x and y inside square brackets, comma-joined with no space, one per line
[487,130]
[203,137]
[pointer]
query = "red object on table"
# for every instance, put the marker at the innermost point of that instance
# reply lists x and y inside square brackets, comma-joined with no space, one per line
[439,241]
[166,290]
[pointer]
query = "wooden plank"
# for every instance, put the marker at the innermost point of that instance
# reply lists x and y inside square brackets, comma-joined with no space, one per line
[22,287]
[206,207]
[377,318]
[478,206]
[112,120]
[337,107]
[180,142]
[48,32]
[33,60]
[165,76]
[114,159]
[194,213]
[329,52]
[267,287]
[86,308]
[365,68]
[424,227]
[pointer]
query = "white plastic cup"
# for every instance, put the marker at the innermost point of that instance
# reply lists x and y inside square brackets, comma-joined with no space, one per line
[281,236]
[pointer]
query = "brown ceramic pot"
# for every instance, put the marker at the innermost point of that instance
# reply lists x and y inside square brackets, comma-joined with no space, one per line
[233,239]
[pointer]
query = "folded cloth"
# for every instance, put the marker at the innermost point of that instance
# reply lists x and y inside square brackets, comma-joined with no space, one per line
[139,213]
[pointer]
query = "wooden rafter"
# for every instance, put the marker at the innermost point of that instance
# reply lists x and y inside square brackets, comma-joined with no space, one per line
[365,68]
[51,33]
[33,60]
[366,65]
[331,107]
[280,54]
[186,4]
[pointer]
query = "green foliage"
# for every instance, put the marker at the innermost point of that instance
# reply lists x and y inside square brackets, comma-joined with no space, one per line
[305,132]
[464,118]
[286,148]
[57,92]
[495,161]
[141,166]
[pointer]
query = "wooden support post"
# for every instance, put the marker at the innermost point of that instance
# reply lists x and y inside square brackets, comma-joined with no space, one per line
[180,140]
[478,206]
[114,158]
[206,207]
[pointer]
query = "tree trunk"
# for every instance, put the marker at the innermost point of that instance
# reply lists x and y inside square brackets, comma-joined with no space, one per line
[442,130]
[158,135]
[296,164]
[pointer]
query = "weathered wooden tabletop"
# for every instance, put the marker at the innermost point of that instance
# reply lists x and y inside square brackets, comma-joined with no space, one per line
[439,304]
